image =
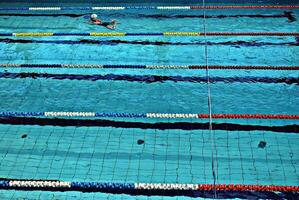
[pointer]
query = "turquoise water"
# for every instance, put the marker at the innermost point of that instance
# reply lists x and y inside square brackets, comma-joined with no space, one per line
[96,153]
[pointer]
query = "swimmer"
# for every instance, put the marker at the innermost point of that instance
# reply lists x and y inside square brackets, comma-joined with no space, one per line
[290,16]
[110,25]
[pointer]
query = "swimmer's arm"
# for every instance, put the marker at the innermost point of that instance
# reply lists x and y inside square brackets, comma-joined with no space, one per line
[112,24]
[112,27]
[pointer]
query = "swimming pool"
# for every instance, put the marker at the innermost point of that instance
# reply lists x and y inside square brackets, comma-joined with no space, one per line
[106,109]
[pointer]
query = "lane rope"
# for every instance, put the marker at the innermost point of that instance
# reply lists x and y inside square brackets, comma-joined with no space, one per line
[122,34]
[196,67]
[57,8]
[246,7]
[98,186]
[148,115]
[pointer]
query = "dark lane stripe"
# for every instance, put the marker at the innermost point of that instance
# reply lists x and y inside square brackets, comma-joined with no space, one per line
[152,78]
[236,44]
[286,14]
[143,125]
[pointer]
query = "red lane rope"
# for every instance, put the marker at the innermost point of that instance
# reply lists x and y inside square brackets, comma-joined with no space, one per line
[248,116]
[227,187]
[246,67]
[252,34]
[244,7]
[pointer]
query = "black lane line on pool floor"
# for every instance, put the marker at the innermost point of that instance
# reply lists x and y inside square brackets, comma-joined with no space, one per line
[151,78]
[289,15]
[145,125]
[114,42]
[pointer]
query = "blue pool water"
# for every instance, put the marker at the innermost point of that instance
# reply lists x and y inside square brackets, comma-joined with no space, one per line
[109,151]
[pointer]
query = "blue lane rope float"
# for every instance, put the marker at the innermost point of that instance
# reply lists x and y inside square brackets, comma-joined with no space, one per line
[147,115]
[122,34]
[224,67]
[57,8]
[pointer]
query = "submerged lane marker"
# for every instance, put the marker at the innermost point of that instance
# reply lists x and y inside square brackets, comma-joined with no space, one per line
[291,128]
[150,78]
[113,42]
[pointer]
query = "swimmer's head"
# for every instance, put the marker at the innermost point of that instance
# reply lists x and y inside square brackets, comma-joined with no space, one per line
[93,16]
